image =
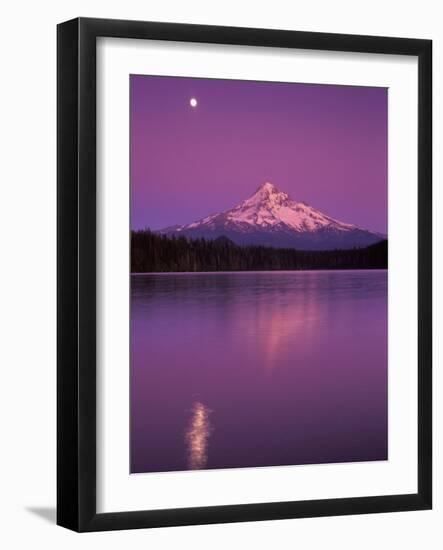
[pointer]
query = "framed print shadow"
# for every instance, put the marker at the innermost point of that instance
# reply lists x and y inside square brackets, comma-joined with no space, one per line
[244,274]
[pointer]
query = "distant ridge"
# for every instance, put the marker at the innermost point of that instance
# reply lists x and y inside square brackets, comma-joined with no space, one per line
[270,217]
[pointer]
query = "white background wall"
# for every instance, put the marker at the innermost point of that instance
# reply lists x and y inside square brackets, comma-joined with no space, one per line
[27,287]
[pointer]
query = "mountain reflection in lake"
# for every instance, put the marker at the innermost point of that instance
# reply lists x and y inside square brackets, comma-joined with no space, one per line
[251,369]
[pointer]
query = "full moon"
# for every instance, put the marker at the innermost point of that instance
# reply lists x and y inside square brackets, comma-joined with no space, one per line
[193,102]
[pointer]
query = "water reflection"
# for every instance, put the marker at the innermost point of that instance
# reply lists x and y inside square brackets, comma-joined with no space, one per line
[197,436]
[293,366]
[280,325]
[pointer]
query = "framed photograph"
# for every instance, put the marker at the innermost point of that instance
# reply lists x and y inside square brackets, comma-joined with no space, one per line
[244,274]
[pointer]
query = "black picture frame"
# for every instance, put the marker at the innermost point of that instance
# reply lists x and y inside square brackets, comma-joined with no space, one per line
[76,281]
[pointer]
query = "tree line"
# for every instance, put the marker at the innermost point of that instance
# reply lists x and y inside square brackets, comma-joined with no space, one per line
[152,252]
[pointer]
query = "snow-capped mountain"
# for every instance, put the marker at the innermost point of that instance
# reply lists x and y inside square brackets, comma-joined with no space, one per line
[271,217]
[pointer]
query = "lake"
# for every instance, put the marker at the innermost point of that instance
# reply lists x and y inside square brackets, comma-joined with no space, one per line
[248,369]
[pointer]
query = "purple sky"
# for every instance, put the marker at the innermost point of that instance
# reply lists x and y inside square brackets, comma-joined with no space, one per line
[325,145]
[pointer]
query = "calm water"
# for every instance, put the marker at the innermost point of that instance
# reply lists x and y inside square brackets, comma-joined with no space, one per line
[246,369]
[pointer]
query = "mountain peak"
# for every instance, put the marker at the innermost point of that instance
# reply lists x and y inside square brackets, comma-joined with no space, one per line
[268,190]
[271,216]
[269,187]
[268,198]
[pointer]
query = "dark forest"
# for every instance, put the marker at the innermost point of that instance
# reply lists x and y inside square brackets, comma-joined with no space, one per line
[151,252]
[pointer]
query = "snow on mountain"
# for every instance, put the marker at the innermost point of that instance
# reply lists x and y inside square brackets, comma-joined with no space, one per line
[270,217]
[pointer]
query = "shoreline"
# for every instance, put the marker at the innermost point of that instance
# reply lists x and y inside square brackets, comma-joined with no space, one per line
[254,271]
